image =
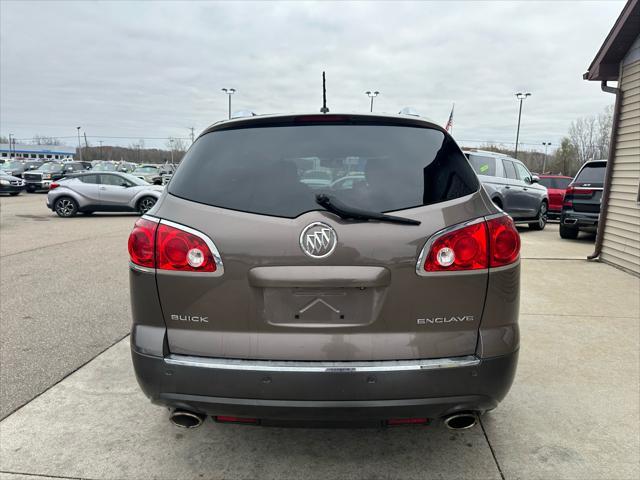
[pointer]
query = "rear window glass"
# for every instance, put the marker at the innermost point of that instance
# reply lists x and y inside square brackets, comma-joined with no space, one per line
[483,165]
[555,182]
[278,170]
[592,173]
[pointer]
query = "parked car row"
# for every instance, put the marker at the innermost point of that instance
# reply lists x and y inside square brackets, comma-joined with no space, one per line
[532,199]
[38,175]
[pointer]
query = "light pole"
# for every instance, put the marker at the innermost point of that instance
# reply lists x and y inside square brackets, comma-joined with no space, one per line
[229,92]
[372,95]
[520,96]
[544,161]
[10,142]
[100,142]
[79,144]
[171,145]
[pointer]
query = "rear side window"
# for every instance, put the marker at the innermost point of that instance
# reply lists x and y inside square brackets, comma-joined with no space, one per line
[483,165]
[88,178]
[555,182]
[509,169]
[592,173]
[278,170]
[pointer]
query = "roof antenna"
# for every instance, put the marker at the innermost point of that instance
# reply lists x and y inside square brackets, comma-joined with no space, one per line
[324,108]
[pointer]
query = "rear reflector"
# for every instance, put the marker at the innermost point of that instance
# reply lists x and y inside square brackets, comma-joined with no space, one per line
[475,245]
[408,421]
[228,419]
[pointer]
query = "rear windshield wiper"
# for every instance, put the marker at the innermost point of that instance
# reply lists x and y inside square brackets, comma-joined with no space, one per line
[334,205]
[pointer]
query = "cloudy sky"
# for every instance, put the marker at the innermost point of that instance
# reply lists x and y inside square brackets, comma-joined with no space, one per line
[153,69]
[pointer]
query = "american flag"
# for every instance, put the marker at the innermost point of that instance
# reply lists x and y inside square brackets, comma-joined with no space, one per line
[449,125]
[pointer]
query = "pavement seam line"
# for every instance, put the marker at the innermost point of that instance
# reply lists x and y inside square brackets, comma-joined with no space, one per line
[63,378]
[575,315]
[493,453]
[58,244]
[40,475]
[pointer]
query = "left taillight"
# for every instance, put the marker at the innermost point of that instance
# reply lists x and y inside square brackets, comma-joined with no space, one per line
[169,246]
[476,245]
[142,241]
[54,185]
[180,249]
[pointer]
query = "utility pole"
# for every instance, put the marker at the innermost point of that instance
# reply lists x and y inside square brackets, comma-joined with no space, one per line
[171,145]
[100,142]
[229,92]
[372,95]
[79,144]
[520,96]
[544,161]
[192,135]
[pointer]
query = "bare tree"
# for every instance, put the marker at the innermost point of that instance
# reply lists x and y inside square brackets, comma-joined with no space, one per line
[44,140]
[590,135]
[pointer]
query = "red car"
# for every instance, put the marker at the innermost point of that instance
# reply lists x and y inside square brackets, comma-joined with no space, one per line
[556,186]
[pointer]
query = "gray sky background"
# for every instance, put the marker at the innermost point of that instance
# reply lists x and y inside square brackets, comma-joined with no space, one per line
[152,69]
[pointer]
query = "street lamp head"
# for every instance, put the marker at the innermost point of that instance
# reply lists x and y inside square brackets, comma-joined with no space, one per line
[367,92]
[229,91]
[376,93]
[372,94]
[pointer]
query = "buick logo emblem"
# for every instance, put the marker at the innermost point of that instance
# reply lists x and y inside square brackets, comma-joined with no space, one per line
[318,240]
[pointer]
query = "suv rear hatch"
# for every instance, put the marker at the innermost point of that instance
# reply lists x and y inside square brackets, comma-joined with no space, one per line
[251,188]
[585,192]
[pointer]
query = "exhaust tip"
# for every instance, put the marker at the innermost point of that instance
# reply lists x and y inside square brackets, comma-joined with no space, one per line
[186,419]
[461,421]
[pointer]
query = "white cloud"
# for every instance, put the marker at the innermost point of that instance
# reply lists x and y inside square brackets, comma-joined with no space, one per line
[152,69]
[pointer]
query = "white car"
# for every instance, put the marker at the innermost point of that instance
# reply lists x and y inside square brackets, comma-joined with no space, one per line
[102,191]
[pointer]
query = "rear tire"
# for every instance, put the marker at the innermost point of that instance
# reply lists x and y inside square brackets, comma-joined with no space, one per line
[65,207]
[31,189]
[568,232]
[87,212]
[13,194]
[145,204]
[542,218]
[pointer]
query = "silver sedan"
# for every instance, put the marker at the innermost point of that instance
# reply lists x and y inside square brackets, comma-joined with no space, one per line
[101,191]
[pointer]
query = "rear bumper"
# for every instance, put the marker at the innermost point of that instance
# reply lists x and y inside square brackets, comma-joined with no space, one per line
[337,393]
[579,219]
[38,184]
[12,188]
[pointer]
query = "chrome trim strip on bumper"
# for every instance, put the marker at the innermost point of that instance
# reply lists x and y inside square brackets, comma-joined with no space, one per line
[324,367]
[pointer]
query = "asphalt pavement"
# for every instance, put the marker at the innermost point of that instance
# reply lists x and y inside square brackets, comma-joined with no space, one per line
[572,413]
[64,294]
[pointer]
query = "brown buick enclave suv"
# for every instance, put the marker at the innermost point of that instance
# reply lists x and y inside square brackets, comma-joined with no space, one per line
[317,268]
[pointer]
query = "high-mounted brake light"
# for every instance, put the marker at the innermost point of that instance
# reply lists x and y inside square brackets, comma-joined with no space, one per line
[168,246]
[475,245]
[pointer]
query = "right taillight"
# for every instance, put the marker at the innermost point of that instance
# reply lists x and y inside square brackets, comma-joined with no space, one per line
[168,246]
[504,241]
[476,245]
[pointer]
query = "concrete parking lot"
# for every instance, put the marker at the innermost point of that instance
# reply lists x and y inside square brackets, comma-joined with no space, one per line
[72,408]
